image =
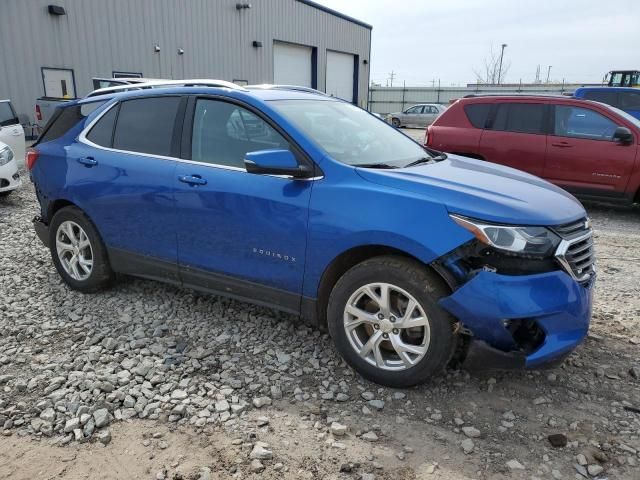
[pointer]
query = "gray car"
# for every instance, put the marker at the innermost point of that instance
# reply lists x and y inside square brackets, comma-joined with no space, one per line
[416,116]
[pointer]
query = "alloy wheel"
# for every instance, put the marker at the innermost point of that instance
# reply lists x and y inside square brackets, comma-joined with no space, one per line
[386,326]
[74,250]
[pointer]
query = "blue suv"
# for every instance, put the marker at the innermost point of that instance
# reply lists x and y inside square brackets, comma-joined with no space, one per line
[302,202]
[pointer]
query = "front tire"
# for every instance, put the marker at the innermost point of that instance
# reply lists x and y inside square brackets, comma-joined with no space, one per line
[385,321]
[77,251]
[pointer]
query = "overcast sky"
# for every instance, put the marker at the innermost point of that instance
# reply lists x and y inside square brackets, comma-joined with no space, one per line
[424,40]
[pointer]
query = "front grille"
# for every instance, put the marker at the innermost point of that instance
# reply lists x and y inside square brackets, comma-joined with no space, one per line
[575,252]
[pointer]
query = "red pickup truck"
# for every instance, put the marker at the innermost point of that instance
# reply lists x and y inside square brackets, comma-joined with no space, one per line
[588,148]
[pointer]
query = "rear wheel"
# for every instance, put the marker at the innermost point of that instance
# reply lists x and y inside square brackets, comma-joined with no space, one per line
[385,320]
[395,122]
[78,252]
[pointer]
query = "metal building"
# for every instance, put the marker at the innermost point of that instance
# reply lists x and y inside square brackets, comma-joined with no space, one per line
[54,48]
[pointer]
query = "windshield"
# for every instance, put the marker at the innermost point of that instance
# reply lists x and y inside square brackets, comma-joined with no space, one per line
[349,134]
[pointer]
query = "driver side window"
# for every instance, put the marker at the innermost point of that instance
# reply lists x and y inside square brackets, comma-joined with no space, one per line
[417,109]
[577,122]
[223,133]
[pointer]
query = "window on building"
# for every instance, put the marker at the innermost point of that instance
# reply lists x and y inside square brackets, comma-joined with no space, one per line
[58,83]
[578,122]
[520,117]
[145,125]
[223,133]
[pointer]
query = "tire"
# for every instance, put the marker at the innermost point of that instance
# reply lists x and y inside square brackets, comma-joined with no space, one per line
[5,193]
[83,278]
[405,278]
[396,122]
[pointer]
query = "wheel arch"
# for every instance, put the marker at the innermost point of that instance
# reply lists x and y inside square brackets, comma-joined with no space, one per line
[58,205]
[348,259]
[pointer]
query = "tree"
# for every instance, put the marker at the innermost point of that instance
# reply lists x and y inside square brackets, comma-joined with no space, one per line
[490,70]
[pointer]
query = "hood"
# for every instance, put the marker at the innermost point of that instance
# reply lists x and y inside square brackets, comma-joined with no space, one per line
[483,190]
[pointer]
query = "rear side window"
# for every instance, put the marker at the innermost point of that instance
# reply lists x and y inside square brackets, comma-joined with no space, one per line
[102,132]
[64,119]
[477,113]
[578,122]
[629,101]
[7,115]
[145,125]
[610,98]
[520,117]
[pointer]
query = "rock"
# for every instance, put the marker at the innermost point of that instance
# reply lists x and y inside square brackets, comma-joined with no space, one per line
[581,470]
[338,429]
[467,446]
[262,421]
[635,372]
[71,425]
[581,459]
[48,415]
[541,400]
[595,470]
[370,437]
[283,357]
[557,440]
[179,395]
[367,396]
[205,474]
[5,379]
[260,402]
[222,406]
[377,404]
[260,452]
[515,465]
[102,417]
[471,432]
[256,466]
[104,437]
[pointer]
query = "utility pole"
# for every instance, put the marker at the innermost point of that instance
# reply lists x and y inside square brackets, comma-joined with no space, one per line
[504,45]
[538,75]
[548,73]
[391,77]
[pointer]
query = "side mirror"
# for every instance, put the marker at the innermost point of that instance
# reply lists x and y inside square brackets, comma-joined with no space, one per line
[623,136]
[275,162]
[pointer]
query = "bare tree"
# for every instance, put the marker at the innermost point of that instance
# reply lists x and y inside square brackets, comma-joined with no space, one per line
[490,73]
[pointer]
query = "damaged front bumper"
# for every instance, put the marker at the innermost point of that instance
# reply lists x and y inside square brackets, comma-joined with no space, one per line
[521,321]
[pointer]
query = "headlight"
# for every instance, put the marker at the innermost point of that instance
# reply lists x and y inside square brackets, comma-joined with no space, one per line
[6,155]
[527,241]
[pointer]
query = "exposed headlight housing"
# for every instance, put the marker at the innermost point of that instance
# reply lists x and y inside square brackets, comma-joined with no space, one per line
[6,155]
[529,241]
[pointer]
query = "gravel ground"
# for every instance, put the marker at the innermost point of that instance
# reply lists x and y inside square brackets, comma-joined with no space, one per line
[151,381]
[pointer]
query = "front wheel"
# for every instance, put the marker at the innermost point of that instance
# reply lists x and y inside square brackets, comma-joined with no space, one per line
[384,318]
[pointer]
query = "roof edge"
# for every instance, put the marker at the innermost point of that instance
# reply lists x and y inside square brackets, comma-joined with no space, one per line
[335,13]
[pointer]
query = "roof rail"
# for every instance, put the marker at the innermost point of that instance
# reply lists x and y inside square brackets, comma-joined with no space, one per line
[297,88]
[521,94]
[165,84]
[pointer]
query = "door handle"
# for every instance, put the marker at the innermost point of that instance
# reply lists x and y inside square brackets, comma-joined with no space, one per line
[562,145]
[192,179]
[88,161]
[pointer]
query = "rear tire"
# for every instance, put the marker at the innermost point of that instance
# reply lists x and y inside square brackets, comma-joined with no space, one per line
[401,344]
[78,252]
[396,122]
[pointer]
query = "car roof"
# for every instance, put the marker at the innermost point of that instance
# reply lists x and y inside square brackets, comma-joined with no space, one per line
[607,89]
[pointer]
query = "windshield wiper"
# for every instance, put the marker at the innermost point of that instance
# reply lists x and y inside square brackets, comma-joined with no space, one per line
[375,165]
[420,161]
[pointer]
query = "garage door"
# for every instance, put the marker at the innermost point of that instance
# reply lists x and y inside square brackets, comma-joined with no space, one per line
[340,75]
[291,64]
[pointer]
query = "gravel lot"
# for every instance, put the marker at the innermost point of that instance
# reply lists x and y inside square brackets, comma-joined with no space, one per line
[151,381]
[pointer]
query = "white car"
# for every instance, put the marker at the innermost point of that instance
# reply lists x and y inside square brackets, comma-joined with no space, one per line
[12,148]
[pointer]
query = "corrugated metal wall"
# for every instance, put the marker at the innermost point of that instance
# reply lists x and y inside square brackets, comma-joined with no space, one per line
[385,100]
[97,37]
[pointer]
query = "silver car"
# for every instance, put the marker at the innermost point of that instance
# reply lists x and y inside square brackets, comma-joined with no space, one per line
[416,116]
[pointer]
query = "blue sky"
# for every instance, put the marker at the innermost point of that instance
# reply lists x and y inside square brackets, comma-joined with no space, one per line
[424,40]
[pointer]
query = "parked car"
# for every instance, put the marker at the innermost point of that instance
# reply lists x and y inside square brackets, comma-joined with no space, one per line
[585,147]
[417,115]
[309,204]
[9,176]
[12,148]
[627,99]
